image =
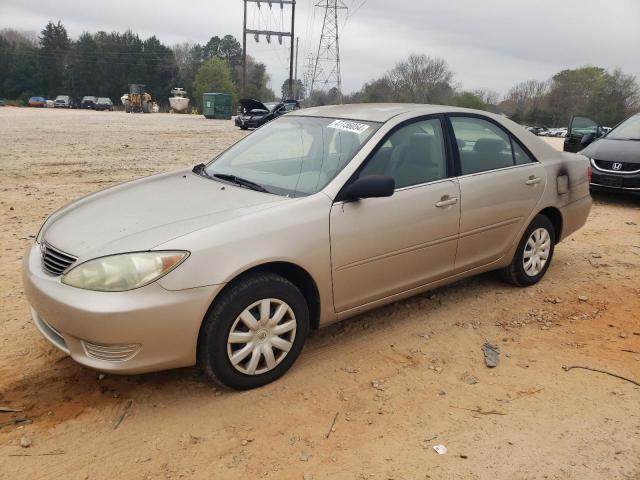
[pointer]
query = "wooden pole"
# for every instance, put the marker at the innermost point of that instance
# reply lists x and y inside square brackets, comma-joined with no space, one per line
[244,50]
[293,35]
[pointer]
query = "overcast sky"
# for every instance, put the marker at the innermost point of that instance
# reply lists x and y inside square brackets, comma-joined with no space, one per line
[487,43]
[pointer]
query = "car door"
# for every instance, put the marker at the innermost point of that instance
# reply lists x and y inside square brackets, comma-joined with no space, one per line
[383,246]
[500,185]
[579,127]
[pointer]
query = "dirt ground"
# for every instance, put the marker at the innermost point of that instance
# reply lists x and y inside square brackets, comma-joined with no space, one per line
[396,381]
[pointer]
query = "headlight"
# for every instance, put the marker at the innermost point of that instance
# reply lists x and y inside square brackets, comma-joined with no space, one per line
[118,273]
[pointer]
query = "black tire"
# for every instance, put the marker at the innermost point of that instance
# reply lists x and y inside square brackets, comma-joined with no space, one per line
[244,128]
[515,273]
[213,357]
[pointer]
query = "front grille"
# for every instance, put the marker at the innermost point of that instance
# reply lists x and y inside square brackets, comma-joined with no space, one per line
[55,261]
[625,167]
[111,353]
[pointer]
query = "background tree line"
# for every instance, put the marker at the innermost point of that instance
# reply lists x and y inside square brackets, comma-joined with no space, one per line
[607,97]
[104,64]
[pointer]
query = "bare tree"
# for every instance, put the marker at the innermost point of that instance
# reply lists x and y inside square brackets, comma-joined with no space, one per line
[421,79]
[525,99]
[490,97]
[26,38]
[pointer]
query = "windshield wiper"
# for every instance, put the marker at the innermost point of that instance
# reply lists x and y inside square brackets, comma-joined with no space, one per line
[201,170]
[241,181]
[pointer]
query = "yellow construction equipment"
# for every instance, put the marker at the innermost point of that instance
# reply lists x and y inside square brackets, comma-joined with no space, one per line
[139,100]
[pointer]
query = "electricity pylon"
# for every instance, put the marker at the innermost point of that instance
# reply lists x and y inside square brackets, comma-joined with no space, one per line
[326,71]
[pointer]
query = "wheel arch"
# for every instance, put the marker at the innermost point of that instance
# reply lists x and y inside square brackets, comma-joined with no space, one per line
[297,275]
[555,217]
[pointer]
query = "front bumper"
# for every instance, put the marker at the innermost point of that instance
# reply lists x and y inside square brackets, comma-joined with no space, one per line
[249,122]
[142,330]
[619,182]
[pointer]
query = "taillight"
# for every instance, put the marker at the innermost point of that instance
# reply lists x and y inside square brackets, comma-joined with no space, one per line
[589,173]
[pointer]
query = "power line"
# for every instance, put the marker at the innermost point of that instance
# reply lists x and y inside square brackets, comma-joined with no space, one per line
[268,33]
[43,55]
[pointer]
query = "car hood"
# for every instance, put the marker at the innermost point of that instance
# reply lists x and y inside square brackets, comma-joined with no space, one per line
[625,151]
[145,213]
[249,104]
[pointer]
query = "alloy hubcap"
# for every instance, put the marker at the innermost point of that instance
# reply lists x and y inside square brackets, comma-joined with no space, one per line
[261,336]
[536,252]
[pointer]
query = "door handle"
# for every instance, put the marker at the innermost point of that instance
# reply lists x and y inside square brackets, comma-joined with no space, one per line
[446,201]
[533,180]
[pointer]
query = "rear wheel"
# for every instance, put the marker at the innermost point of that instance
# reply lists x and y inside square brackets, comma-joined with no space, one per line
[533,255]
[254,332]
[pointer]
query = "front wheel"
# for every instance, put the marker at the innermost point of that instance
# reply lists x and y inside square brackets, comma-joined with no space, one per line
[254,332]
[533,255]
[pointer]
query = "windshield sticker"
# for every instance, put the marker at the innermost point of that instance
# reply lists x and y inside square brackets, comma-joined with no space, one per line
[348,126]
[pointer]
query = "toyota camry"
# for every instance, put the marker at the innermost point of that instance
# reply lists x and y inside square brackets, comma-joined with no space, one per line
[320,215]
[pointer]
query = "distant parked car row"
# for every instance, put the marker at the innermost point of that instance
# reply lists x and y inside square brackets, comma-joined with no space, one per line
[548,132]
[67,101]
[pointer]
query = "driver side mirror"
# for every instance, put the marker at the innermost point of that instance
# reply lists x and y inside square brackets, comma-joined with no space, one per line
[587,139]
[371,186]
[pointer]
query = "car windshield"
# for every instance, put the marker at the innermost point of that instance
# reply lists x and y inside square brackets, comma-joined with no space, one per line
[294,156]
[627,130]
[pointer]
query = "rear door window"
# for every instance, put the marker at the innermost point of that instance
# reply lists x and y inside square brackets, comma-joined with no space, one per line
[482,145]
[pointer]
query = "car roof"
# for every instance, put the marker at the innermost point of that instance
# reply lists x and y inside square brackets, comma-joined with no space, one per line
[383,112]
[380,112]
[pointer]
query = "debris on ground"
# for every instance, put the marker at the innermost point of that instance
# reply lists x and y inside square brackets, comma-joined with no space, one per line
[25,442]
[332,428]
[10,410]
[566,369]
[583,298]
[480,410]
[123,413]
[491,354]
[469,379]
[304,456]
[440,449]
[15,421]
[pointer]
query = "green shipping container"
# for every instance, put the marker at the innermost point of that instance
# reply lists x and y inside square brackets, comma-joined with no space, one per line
[216,105]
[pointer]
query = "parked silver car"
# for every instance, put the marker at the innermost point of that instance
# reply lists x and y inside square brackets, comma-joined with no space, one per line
[322,214]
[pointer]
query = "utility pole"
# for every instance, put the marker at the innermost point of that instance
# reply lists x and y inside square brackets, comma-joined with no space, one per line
[257,33]
[244,50]
[295,89]
[326,72]
[293,28]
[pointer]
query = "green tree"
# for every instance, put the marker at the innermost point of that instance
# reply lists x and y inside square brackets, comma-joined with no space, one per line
[82,64]
[55,45]
[469,100]
[299,90]
[231,50]
[213,76]
[20,66]
[212,48]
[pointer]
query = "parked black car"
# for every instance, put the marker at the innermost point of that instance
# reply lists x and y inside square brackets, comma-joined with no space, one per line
[255,113]
[614,156]
[88,102]
[104,103]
